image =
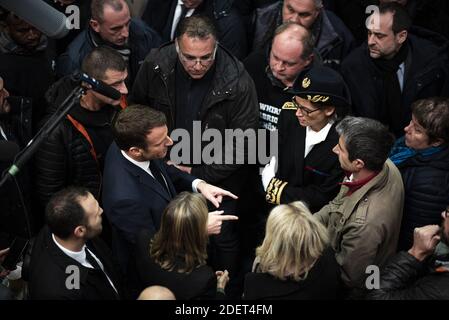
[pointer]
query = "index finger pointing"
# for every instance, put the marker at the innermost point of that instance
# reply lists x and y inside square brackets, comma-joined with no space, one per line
[229,194]
[228,217]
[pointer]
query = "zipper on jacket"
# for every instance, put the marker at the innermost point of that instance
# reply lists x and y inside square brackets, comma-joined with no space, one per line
[158,70]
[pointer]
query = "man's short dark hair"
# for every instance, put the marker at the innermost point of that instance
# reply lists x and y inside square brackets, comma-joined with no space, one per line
[401,18]
[64,211]
[366,139]
[97,8]
[101,59]
[197,26]
[132,125]
[433,115]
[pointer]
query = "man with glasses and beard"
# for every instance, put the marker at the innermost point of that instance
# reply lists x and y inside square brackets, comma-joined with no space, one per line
[421,272]
[194,79]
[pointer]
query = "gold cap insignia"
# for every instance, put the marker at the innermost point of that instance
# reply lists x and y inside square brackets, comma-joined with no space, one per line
[318,98]
[306,83]
[288,106]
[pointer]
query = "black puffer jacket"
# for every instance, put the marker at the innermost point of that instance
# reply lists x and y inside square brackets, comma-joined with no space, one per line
[64,158]
[426,182]
[231,102]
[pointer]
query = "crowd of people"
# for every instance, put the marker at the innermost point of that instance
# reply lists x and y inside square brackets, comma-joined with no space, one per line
[145,194]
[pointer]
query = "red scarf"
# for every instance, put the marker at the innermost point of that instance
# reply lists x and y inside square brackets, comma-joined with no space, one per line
[356,185]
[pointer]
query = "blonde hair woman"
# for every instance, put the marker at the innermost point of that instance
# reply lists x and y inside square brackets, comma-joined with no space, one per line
[294,260]
[175,257]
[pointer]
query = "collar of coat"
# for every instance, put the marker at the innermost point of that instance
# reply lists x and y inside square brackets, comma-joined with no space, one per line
[346,205]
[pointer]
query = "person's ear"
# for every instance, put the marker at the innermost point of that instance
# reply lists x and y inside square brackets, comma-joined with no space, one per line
[79,231]
[95,25]
[358,164]
[438,142]
[329,111]
[134,151]
[402,36]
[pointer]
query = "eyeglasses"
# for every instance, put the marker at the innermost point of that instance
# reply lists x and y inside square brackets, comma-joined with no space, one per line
[303,109]
[192,61]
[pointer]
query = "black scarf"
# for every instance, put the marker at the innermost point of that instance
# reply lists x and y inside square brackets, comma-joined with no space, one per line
[393,96]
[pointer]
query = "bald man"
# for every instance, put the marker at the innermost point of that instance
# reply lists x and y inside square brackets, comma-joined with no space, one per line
[156,293]
[290,55]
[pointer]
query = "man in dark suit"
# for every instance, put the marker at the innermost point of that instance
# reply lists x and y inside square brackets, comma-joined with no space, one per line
[165,16]
[68,261]
[138,184]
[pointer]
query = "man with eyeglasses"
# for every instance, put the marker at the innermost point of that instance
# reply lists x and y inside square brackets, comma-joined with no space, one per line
[308,170]
[421,273]
[195,79]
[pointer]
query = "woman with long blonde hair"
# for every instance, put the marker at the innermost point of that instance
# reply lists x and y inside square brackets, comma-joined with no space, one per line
[295,260]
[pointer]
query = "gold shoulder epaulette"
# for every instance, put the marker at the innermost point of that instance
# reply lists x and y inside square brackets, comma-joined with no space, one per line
[274,191]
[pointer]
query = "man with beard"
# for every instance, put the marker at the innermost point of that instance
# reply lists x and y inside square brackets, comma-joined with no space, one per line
[111,25]
[69,246]
[394,68]
[423,271]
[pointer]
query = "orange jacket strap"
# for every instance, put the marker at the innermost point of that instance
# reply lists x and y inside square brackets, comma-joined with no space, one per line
[123,102]
[83,131]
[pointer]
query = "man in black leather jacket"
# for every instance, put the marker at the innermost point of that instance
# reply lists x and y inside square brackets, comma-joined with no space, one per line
[423,271]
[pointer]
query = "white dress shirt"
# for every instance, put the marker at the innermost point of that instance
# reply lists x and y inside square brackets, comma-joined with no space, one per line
[80,257]
[176,17]
[313,137]
[145,166]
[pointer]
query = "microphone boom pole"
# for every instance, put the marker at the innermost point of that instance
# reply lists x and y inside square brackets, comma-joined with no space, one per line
[43,133]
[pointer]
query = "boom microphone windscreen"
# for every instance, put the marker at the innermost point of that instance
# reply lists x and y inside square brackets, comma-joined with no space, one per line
[42,16]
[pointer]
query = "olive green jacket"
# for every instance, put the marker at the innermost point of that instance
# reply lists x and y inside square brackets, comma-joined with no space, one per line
[364,227]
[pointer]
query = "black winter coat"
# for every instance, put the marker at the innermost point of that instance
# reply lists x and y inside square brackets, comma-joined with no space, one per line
[231,103]
[333,43]
[426,75]
[426,184]
[141,40]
